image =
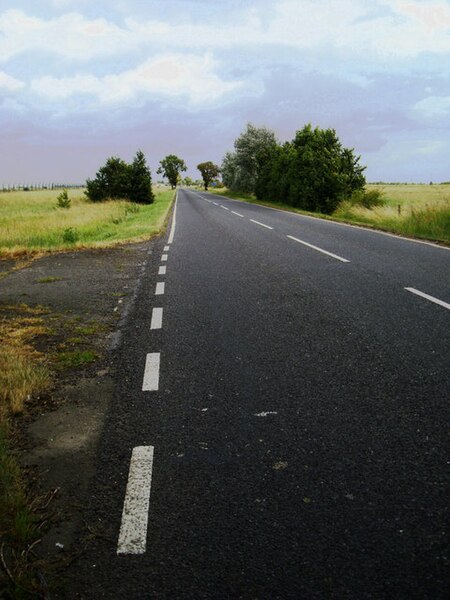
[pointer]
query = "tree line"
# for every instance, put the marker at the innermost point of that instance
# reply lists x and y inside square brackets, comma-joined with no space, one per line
[313,171]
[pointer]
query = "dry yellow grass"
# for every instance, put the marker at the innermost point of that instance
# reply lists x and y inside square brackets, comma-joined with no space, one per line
[23,372]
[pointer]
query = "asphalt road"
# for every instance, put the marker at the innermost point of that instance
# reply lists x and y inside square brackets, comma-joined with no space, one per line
[287,414]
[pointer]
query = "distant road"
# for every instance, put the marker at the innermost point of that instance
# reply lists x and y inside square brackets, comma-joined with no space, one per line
[280,421]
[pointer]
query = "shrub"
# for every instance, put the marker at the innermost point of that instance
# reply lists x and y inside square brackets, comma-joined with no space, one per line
[367,198]
[70,235]
[63,200]
[119,180]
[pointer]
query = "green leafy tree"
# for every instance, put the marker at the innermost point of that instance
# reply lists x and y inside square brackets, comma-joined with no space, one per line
[313,172]
[188,181]
[228,169]
[240,168]
[209,172]
[119,180]
[171,167]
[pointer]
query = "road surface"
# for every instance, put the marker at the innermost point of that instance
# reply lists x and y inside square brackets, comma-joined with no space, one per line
[280,421]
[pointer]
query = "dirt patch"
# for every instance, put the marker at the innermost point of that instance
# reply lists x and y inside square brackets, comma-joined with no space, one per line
[85,297]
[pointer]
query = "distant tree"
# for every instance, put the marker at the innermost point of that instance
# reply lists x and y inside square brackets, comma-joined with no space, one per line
[171,166]
[209,172]
[188,181]
[110,181]
[228,169]
[313,172]
[119,180]
[240,168]
[140,180]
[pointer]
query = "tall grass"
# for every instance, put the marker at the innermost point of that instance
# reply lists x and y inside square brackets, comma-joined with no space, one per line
[421,211]
[32,221]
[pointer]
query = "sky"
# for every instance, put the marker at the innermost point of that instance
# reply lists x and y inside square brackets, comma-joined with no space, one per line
[83,80]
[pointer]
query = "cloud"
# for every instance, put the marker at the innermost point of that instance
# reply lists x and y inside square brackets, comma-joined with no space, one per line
[9,84]
[172,75]
[71,36]
[434,106]
[367,29]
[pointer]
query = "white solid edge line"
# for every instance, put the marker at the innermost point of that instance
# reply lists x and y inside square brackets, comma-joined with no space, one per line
[236,213]
[162,270]
[133,527]
[157,314]
[150,382]
[262,224]
[331,222]
[160,286]
[174,221]
[428,297]
[318,249]
[164,257]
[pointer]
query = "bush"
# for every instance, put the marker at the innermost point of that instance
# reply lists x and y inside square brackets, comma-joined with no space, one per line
[70,235]
[313,172]
[119,180]
[367,198]
[63,200]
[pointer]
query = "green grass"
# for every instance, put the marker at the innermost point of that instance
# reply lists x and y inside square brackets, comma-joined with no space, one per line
[424,210]
[75,358]
[48,279]
[30,222]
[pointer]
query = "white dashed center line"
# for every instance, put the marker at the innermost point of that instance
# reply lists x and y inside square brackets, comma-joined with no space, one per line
[166,248]
[318,249]
[174,222]
[133,527]
[164,257]
[224,207]
[162,270]
[236,213]
[157,314]
[160,288]
[262,224]
[428,297]
[215,204]
[151,372]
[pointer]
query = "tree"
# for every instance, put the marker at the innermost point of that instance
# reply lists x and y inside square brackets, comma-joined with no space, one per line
[209,172]
[241,166]
[119,180]
[140,180]
[313,172]
[188,181]
[171,166]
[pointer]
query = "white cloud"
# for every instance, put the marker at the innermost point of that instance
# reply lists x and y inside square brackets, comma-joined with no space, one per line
[357,28]
[434,106]
[70,36]
[165,75]
[10,84]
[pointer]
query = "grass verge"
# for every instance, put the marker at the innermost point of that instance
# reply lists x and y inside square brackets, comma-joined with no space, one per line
[34,345]
[24,375]
[31,222]
[417,211]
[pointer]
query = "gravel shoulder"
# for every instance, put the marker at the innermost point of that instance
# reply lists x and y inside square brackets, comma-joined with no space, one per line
[91,292]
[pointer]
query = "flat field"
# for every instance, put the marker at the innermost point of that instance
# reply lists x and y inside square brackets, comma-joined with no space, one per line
[421,211]
[31,222]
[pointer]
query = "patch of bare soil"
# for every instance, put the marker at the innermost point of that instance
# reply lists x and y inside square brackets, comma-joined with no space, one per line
[86,296]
